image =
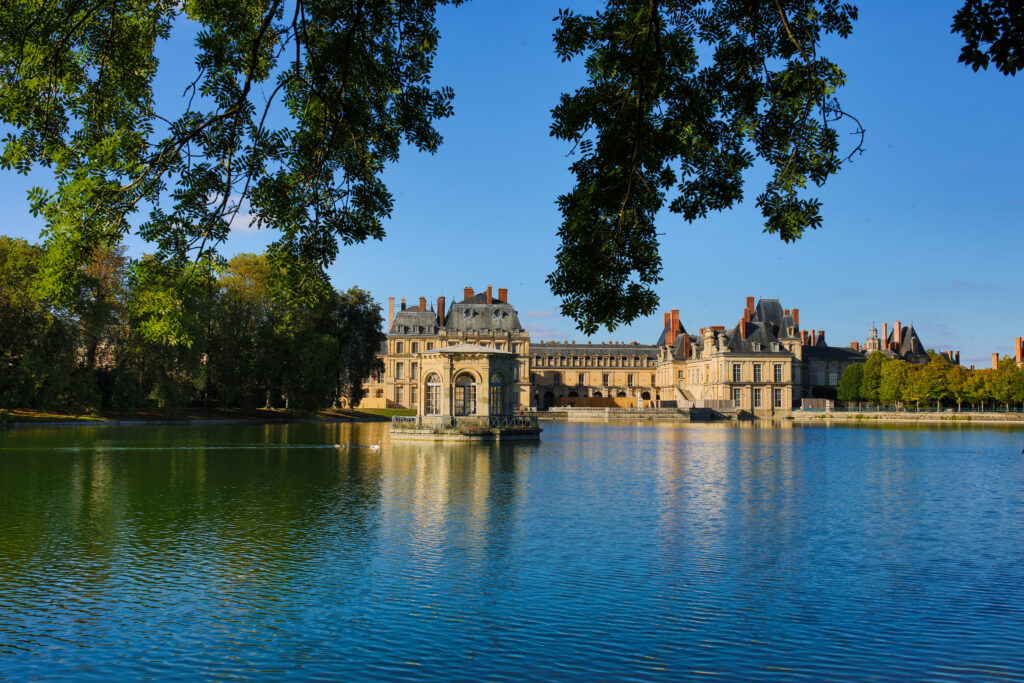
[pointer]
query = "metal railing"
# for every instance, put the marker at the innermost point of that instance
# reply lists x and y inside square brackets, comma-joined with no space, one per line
[464,423]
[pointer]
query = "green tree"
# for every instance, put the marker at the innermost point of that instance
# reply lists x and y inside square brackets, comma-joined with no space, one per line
[293,113]
[850,383]
[38,351]
[893,381]
[358,323]
[958,384]
[993,31]
[872,376]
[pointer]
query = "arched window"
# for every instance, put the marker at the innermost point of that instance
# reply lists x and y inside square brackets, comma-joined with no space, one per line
[496,399]
[465,395]
[433,395]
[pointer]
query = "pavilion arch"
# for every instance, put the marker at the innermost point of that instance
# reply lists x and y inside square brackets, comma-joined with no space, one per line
[432,394]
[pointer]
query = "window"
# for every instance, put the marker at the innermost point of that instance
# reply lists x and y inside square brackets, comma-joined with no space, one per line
[430,346]
[757,372]
[399,370]
[778,372]
[499,346]
[833,379]
[414,370]
[399,347]
[556,378]
[757,397]
[679,374]
[433,397]
[604,379]
[496,399]
[736,372]
[778,398]
[515,373]
[465,395]
[398,396]
[415,347]
[561,361]
[736,397]
[581,380]
[756,346]
[775,346]
[413,394]
[515,348]
[629,380]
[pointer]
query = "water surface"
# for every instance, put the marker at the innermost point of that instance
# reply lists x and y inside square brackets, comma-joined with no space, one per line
[603,552]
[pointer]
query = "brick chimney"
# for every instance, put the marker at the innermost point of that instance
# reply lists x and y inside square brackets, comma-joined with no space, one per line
[440,311]
[995,361]
[423,302]
[822,333]
[1020,350]
[748,312]
[803,337]
[743,327]
[503,294]
[897,333]
[855,346]
[885,336]
[403,303]
[467,293]
[391,311]
[796,317]
[665,317]
[490,295]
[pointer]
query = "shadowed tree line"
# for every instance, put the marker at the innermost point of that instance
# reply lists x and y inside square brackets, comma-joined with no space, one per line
[142,335]
[888,381]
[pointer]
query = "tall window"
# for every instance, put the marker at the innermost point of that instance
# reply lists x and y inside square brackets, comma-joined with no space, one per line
[433,397]
[556,378]
[399,370]
[778,372]
[399,396]
[604,379]
[413,394]
[413,370]
[415,347]
[430,346]
[465,395]
[757,397]
[736,397]
[736,372]
[757,372]
[629,380]
[496,399]
[515,373]
[778,398]
[833,379]
[579,380]
[399,347]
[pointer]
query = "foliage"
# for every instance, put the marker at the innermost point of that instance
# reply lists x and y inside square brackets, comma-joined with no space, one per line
[850,382]
[157,336]
[293,113]
[994,33]
[682,99]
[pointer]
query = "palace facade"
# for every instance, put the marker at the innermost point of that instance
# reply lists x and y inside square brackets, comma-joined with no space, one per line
[765,364]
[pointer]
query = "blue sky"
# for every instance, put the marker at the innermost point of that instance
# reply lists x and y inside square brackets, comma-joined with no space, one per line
[923,227]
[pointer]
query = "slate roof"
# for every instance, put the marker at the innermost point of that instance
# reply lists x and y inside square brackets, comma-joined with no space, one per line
[414,320]
[834,353]
[911,348]
[757,333]
[476,315]
[560,348]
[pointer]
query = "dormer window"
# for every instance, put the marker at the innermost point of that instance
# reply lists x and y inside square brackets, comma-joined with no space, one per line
[757,346]
[775,346]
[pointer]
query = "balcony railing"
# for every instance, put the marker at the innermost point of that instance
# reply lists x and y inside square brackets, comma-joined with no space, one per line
[464,423]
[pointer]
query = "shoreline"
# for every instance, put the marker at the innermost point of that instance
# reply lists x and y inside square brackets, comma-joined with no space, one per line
[31,418]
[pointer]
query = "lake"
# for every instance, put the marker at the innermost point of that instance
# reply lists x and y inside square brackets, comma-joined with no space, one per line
[601,552]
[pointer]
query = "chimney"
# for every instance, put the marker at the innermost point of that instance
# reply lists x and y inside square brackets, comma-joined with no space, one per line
[467,293]
[440,311]
[673,326]
[743,328]
[885,336]
[490,295]
[897,333]
[803,337]
[796,317]
[995,361]
[1020,350]
[423,302]
[403,303]
[503,294]
[822,333]
[664,320]
[855,346]
[686,346]
[958,359]
[391,311]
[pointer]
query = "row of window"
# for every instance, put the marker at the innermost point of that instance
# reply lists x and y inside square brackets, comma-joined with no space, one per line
[593,361]
[776,396]
[581,379]
[776,372]
[415,346]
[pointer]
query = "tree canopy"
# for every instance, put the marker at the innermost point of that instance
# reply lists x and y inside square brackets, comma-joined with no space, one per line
[293,108]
